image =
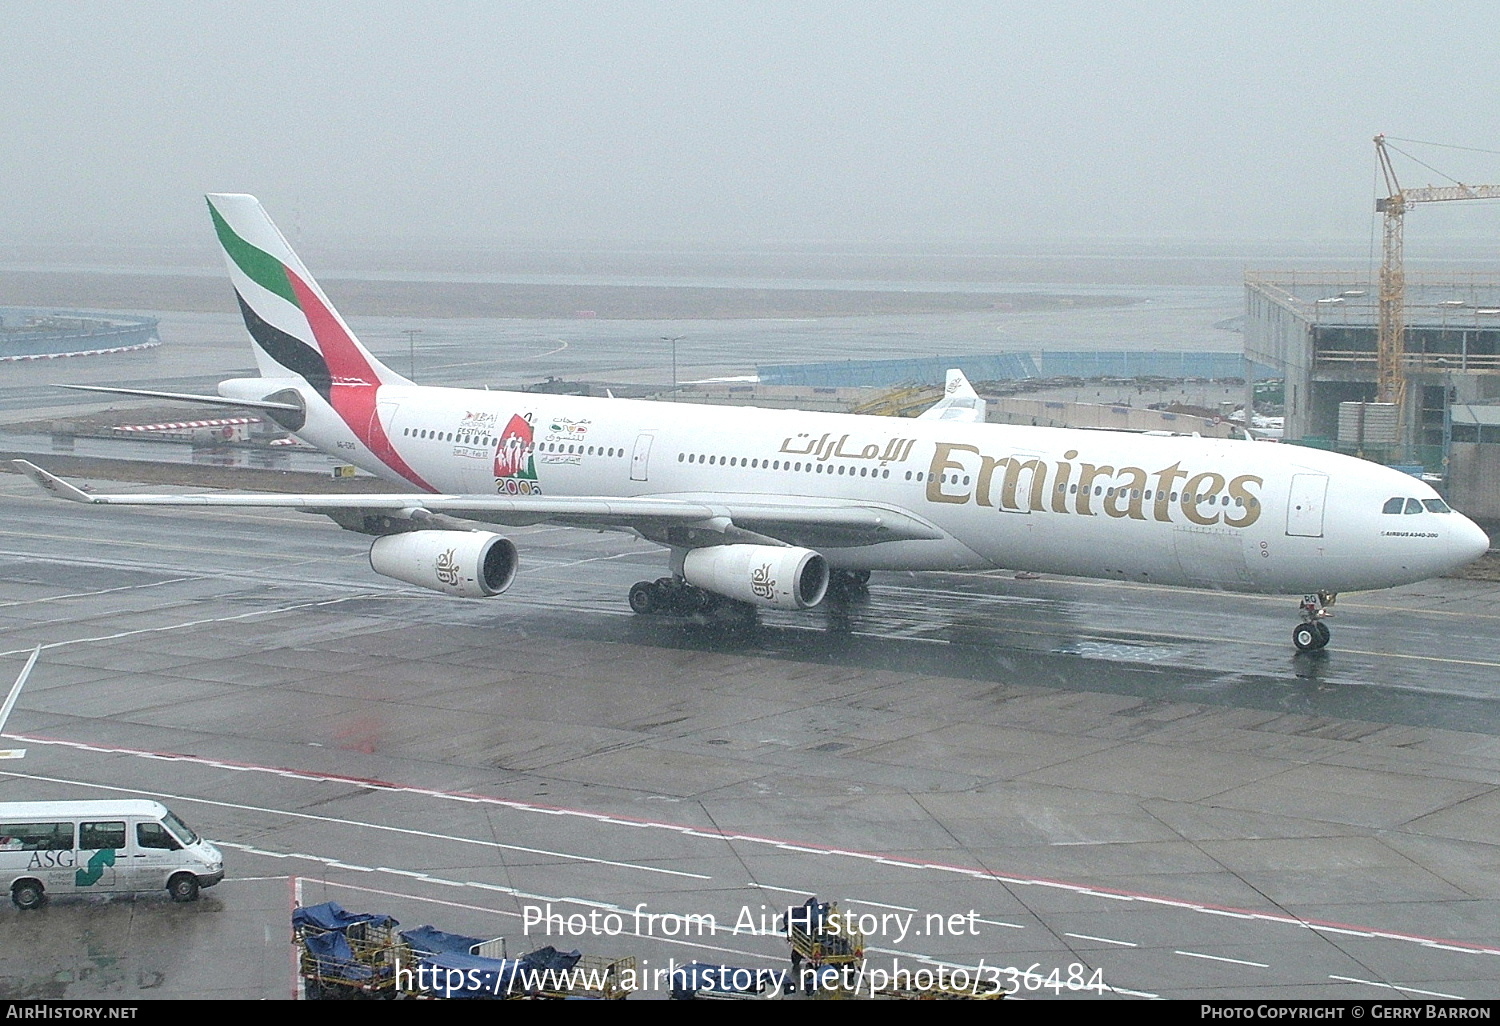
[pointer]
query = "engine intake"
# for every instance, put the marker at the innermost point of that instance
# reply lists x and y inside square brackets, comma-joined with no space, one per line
[469,564]
[767,575]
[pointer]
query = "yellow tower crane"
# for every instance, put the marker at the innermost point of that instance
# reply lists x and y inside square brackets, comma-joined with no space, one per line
[1391,336]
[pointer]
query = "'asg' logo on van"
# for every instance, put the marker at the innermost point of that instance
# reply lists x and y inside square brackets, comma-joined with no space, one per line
[51,860]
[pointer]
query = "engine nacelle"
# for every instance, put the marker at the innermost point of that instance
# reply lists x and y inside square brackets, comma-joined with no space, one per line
[767,575]
[469,564]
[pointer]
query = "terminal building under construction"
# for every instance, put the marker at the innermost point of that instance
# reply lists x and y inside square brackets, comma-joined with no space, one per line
[1318,331]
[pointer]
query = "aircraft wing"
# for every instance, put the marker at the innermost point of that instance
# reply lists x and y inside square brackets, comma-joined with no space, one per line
[823,522]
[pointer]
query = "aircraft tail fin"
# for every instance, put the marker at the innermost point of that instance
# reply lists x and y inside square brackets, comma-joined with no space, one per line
[959,403]
[297,331]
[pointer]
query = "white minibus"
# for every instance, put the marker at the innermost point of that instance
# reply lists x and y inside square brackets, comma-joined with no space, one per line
[95,847]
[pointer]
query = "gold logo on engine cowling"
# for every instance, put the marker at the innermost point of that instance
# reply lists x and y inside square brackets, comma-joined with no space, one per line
[762,584]
[447,568]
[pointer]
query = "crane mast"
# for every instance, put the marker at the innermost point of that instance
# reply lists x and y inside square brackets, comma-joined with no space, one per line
[1391,333]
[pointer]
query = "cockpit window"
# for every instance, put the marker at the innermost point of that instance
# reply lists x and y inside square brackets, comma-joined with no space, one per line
[1393,505]
[1413,506]
[1437,506]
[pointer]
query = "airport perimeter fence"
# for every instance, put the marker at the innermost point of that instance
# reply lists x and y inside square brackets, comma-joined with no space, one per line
[1012,367]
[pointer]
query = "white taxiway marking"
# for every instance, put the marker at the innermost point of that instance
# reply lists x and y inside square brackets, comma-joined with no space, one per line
[880,904]
[1220,958]
[189,623]
[723,836]
[1404,990]
[1103,940]
[371,826]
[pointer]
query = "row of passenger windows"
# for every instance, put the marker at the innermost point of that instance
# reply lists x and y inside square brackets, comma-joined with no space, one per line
[1408,505]
[581,450]
[1108,493]
[793,466]
[91,836]
[448,436]
[488,440]
[954,479]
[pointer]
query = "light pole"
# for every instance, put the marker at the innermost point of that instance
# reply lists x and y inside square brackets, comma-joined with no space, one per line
[411,345]
[674,339]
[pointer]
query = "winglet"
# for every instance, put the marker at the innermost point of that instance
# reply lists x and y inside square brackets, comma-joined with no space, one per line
[959,402]
[50,483]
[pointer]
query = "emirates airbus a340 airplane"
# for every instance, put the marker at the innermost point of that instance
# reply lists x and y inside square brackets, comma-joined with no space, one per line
[774,507]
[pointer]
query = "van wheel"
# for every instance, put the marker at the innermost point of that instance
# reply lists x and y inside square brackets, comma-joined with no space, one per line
[183,887]
[28,894]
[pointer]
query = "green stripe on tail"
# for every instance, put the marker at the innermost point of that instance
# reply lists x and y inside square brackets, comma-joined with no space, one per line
[258,265]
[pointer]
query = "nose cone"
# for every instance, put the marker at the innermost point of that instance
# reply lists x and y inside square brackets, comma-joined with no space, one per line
[1469,541]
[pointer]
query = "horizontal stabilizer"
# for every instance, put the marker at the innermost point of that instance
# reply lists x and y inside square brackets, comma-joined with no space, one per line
[186,397]
[51,482]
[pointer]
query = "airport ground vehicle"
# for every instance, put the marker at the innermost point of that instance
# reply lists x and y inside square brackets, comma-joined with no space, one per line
[827,949]
[343,954]
[105,846]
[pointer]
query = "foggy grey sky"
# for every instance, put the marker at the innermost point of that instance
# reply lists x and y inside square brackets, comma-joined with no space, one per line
[738,123]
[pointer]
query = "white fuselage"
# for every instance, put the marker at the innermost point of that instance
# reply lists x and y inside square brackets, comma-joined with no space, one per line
[1181,510]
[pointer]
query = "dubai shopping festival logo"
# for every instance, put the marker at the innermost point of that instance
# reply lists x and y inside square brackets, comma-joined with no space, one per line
[515,470]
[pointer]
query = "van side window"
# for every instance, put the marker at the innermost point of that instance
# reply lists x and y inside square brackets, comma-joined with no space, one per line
[93,836]
[154,835]
[36,836]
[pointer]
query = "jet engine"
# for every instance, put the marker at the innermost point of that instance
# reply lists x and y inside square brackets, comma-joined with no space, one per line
[766,575]
[469,564]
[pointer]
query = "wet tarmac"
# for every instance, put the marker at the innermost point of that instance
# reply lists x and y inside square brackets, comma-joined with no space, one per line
[1064,788]
[1142,789]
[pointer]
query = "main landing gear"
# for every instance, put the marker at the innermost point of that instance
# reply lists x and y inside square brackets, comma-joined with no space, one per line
[672,596]
[1312,633]
[848,586]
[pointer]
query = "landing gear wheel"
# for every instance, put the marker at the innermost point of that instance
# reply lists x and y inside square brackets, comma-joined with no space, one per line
[183,887]
[848,586]
[643,598]
[689,600]
[1311,636]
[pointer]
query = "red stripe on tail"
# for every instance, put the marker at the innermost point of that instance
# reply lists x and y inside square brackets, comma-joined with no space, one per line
[355,383]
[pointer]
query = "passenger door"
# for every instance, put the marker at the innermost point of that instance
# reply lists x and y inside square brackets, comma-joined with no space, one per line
[1304,505]
[154,853]
[640,458]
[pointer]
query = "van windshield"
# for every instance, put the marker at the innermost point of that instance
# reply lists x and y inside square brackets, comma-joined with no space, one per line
[183,832]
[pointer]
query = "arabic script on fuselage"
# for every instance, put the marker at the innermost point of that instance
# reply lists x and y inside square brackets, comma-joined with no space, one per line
[820,450]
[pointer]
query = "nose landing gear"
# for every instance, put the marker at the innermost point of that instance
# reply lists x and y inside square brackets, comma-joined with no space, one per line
[1312,633]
